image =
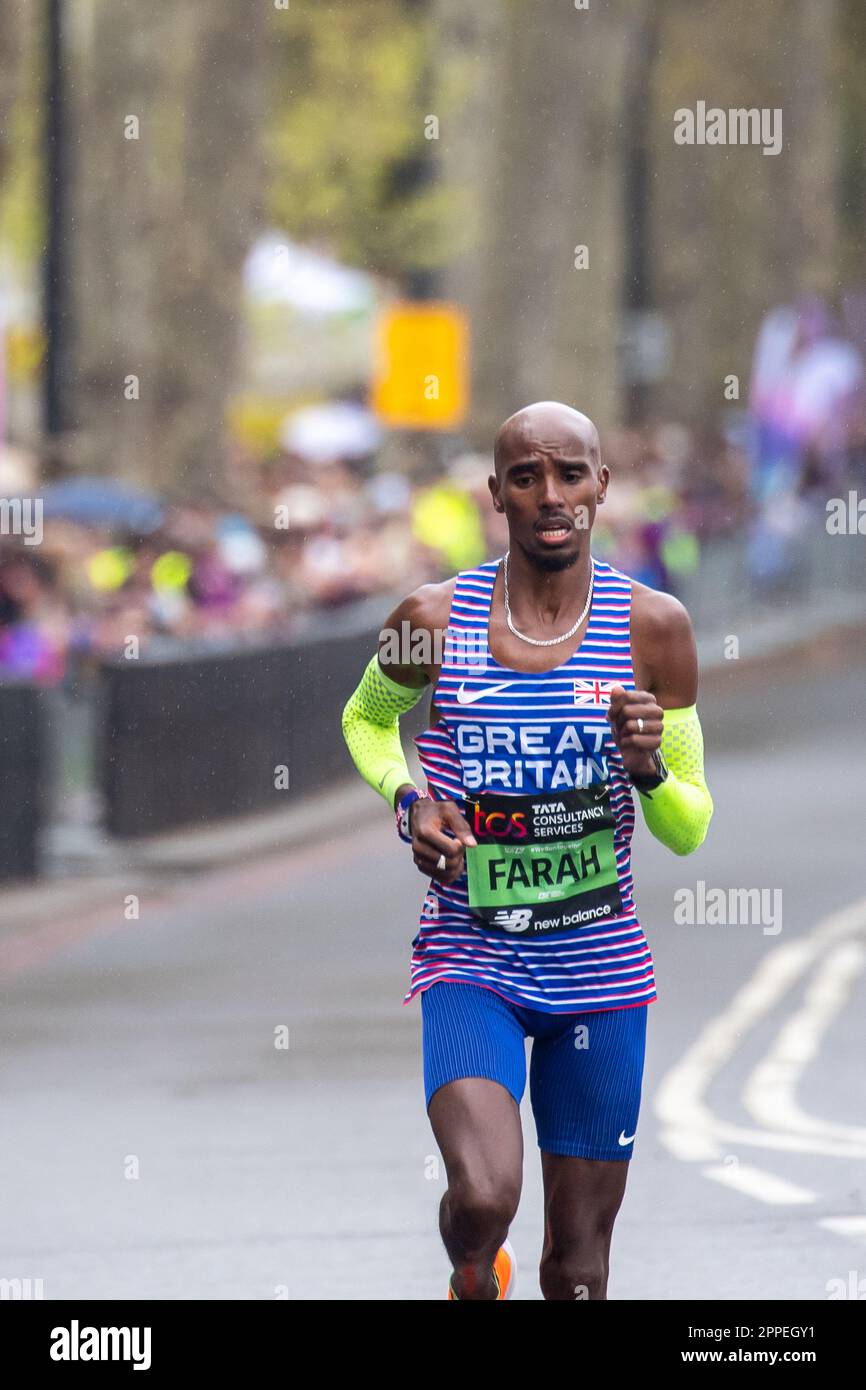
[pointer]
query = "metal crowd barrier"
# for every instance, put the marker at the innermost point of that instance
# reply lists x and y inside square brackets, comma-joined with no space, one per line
[23,776]
[191,738]
[194,736]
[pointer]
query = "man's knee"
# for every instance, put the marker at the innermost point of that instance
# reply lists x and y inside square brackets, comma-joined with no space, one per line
[481,1207]
[574,1272]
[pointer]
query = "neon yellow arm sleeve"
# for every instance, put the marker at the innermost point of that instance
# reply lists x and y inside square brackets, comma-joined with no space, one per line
[371,728]
[678,811]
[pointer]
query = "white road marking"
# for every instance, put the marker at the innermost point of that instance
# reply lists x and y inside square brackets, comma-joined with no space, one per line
[695,1148]
[754,1182]
[680,1103]
[691,1131]
[846,1225]
[770,1094]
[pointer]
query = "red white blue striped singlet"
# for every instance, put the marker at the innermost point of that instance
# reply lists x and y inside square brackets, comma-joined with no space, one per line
[512,733]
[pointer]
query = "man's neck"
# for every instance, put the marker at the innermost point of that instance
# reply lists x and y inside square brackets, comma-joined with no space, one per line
[546,595]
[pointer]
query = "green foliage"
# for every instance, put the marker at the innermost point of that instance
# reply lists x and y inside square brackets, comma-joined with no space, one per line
[21,221]
[346,133]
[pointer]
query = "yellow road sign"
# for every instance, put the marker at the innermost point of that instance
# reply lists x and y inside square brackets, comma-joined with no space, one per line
[421,366]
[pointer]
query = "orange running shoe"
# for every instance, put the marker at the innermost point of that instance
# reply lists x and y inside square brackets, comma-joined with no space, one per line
[504,1272]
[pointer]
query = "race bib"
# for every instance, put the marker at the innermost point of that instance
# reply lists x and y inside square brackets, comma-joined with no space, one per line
[544,862]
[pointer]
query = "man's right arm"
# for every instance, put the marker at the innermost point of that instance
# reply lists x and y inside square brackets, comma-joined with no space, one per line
[392,683]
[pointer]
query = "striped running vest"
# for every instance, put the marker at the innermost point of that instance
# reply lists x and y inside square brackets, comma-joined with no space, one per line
[539,742]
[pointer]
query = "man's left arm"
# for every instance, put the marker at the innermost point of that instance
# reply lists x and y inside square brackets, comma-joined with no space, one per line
[657,728]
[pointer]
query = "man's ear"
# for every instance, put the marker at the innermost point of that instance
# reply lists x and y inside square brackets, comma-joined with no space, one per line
[493,484]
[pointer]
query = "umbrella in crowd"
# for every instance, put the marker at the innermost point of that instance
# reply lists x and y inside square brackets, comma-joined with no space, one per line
[103,502]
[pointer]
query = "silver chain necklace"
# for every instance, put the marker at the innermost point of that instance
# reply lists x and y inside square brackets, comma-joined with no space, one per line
[548,641]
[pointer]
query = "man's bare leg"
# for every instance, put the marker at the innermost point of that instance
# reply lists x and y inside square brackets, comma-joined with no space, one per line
[477,1127]
[581,1199]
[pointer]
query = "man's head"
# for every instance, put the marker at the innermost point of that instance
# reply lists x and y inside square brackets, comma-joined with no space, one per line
[548,481]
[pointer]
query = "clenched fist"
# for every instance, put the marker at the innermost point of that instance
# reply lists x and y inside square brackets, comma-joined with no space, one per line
[636,741]
[428,822]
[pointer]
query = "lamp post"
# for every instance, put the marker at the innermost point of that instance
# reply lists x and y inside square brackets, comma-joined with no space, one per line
[415,173]
[55,280]
[643,332]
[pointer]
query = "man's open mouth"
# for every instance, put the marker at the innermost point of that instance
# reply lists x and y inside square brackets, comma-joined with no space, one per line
[552,531]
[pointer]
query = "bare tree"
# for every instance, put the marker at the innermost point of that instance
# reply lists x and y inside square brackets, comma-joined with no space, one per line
[169,103]
[558,126]
[735,231]
[538,137]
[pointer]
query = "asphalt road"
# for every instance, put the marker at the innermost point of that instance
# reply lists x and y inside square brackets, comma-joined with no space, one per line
[158,1144]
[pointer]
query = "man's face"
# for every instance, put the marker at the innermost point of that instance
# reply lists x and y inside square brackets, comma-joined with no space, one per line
[549,486]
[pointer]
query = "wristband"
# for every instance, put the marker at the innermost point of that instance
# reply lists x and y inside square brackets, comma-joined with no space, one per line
[403,808]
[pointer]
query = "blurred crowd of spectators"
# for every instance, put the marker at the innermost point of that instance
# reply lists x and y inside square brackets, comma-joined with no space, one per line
[808,440]
[315,536]
[325,522]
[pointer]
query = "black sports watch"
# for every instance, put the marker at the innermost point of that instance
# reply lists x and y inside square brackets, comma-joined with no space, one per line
[648,781]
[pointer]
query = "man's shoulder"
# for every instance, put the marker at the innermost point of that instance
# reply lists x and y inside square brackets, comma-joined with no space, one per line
[663,645]
[657,616]
[429,606]
[424,611]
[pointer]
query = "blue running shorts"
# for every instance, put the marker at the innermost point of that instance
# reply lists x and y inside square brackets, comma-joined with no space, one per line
[585,1070]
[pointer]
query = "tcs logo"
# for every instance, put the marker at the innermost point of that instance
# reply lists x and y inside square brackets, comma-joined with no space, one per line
[498,826]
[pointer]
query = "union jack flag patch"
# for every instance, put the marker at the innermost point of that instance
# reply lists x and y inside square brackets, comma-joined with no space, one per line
[592,692]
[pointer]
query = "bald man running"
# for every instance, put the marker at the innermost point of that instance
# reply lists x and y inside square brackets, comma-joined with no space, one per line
[559,686]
